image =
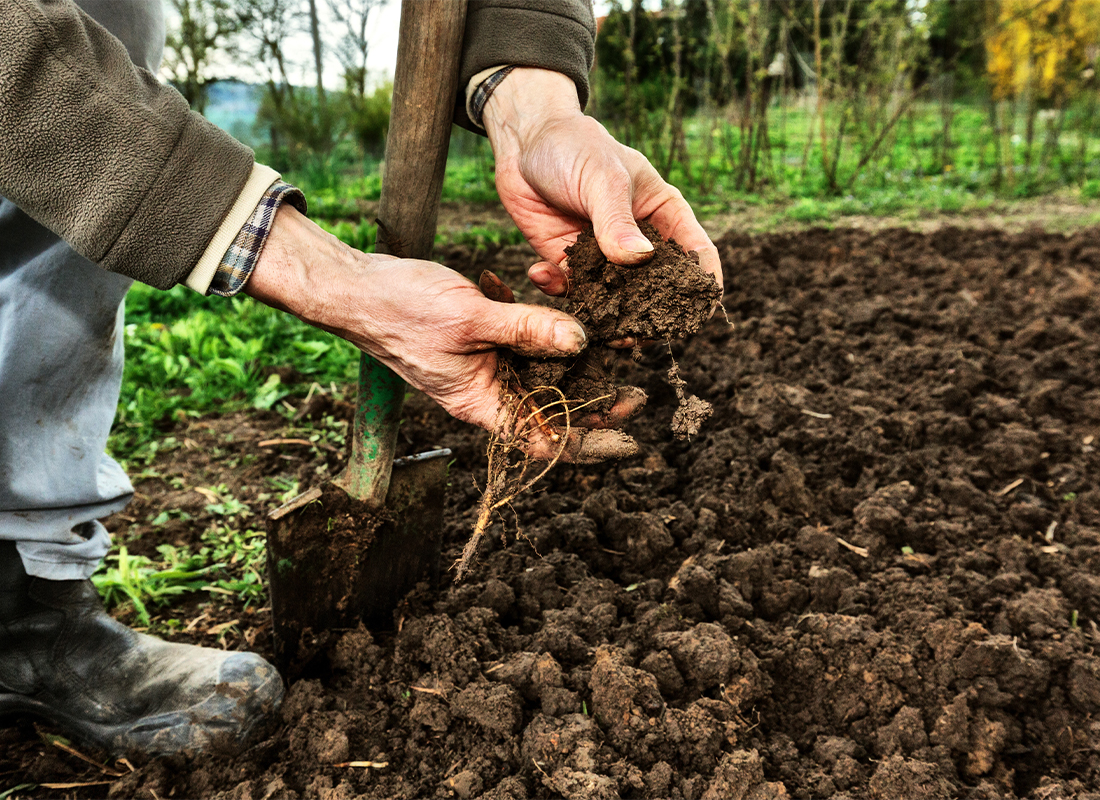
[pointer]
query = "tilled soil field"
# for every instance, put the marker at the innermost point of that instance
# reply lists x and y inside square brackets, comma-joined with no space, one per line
[875,573]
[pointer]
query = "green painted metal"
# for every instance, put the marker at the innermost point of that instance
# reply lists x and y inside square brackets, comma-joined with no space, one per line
[374,433]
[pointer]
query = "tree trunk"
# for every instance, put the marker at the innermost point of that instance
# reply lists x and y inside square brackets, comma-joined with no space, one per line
[318,56]
[820,87]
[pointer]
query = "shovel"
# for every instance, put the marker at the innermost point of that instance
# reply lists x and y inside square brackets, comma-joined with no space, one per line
[349,551]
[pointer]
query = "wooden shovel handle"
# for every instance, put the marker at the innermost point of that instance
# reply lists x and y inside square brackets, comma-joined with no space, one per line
[429,51]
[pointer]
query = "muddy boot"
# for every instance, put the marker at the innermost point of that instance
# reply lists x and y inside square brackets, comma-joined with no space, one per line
[65,659]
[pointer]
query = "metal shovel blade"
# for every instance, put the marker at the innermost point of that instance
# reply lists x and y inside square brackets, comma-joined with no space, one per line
[335,561]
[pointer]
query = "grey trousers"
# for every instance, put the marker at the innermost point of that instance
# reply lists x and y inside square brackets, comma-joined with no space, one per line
[61,358]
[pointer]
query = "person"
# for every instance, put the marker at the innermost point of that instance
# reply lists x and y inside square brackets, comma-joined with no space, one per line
[107,177]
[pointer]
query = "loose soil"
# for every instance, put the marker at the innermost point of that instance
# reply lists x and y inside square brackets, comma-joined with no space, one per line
[874,573]
[667,297]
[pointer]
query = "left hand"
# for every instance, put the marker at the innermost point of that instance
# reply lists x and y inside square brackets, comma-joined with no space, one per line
[556,169]
[428,324]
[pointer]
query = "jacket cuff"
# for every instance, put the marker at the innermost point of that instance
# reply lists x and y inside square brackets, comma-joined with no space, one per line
[199,183]
[254,188]
[557,35]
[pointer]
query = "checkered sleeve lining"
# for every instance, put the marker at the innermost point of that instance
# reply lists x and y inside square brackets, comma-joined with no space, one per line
[237,263]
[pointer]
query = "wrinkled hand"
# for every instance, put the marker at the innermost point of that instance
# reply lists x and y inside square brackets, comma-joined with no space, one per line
[427,323]
[556,169]
[593,436]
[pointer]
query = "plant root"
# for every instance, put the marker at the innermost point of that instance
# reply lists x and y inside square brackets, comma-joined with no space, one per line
[692,411]
[509,463]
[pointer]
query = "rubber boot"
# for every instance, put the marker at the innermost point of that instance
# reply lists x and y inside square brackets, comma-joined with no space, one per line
[63,658]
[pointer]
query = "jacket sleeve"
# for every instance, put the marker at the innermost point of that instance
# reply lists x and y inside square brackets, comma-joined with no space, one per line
[100,153]
[551,34]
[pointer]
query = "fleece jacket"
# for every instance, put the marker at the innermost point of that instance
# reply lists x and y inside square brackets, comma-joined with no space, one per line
[115,163]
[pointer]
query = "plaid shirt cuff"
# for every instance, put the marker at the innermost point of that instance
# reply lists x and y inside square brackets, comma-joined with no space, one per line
[480,97]
[237,263]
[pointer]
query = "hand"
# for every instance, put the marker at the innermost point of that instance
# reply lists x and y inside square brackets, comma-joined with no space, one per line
[556,169]
[427,323]
[593,436]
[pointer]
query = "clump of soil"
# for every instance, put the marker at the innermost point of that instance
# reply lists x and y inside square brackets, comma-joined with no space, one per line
[851,586]
[667,298]
[692,411]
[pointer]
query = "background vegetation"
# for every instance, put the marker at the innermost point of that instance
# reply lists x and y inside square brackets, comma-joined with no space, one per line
[814,108]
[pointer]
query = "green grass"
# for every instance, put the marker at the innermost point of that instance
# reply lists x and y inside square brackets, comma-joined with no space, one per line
[188,356]
[481,237]
[912,173]
[350,191]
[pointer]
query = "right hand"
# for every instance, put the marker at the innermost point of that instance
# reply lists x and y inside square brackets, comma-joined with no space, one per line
[556,169]
[424,321]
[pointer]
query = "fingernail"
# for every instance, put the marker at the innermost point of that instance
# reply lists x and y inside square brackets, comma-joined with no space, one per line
[569,337]
[636,243]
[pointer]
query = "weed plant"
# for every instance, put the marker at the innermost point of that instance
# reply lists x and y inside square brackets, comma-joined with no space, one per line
[141,582]
[188,356]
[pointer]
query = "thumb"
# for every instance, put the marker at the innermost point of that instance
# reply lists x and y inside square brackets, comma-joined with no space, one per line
[618,234]
[531,330]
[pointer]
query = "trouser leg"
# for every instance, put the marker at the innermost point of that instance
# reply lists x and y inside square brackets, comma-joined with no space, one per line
[61,367]
[61,354]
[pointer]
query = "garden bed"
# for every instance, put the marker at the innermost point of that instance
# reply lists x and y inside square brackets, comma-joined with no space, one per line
[873,574]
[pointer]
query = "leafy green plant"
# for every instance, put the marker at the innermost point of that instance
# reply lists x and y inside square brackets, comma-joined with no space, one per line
[241,556]
[189,355]
[137,580]
[169,514]
[286,487]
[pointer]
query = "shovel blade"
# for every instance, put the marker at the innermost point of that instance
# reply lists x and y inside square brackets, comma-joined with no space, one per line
[334,561]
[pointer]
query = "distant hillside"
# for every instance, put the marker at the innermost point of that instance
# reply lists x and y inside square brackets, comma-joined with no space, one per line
[232,106]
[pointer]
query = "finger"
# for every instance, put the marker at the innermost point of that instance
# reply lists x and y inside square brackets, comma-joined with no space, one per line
[629,400]
[551,279]
[583,446]
[495,289]
[530,330]
[596,446]
[665,207]
[612,215]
